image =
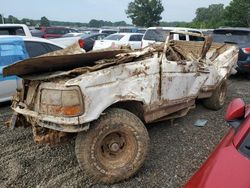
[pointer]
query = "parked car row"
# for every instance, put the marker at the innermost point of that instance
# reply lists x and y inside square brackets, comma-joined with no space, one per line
[159,34]
[86,41]
[112,30]
[119,39]
[56,32]
[134,40]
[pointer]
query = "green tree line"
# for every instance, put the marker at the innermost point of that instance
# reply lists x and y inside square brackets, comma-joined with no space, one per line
[46,22]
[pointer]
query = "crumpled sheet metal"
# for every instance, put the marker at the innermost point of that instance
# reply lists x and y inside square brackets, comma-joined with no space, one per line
[120,58]
[71,50]
[62,62]
[56,62]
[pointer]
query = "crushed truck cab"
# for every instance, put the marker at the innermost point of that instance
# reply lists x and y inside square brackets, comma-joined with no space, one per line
[107,96]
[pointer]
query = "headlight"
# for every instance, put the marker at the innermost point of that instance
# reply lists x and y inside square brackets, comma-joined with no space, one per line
[61,102]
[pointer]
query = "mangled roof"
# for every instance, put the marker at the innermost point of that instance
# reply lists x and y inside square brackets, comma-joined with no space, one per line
[73,61]
[56,62]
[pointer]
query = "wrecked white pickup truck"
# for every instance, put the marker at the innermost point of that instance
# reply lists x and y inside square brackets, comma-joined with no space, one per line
[107,97]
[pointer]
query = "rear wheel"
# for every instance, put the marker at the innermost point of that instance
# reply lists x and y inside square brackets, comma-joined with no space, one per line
[217,100]
[114,148]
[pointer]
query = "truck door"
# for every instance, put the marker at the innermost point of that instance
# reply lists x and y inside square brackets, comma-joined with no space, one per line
[135,41]
[180,80]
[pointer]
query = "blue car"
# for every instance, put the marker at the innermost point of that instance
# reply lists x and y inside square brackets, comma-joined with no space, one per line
[17,48]
[241,37]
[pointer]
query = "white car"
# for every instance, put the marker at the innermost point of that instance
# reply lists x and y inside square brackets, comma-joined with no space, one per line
[118,39]
[16,48]
[158,35]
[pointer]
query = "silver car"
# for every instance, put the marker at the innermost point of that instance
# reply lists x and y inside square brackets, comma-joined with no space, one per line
[16,48]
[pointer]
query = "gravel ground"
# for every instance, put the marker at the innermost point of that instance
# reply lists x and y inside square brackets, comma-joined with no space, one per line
[176,151]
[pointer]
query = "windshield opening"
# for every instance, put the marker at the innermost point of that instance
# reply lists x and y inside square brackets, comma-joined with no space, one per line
[229,36]
[158,35]
[114,37]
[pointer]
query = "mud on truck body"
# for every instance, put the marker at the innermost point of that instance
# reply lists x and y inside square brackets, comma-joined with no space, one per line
[107,97]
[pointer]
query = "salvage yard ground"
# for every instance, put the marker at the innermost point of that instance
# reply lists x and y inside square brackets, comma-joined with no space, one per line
[176,151]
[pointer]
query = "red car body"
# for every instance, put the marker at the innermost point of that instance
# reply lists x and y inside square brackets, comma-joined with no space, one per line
[55,32]
[229,165]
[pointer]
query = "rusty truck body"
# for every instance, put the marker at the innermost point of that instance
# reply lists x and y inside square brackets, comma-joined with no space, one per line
[107,97]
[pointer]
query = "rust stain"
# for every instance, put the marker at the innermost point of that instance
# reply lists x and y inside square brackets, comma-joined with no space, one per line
[43,135]
[156,111]
[138,71]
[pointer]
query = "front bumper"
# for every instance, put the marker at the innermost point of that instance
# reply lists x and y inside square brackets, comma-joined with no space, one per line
[71,124]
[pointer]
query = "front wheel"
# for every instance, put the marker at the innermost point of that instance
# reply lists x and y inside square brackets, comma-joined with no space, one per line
[114,148]
[217,100]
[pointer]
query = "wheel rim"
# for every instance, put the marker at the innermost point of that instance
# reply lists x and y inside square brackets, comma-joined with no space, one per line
[116,149]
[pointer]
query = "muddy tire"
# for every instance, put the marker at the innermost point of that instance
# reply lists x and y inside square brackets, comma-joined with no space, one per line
[217,100]
[114,148]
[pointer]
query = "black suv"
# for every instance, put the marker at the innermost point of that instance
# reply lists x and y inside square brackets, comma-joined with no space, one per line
[241,37]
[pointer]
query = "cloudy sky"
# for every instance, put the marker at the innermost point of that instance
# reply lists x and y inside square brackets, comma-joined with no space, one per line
[85,10]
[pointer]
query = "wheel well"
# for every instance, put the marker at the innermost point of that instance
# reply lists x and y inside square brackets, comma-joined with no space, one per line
[134,107]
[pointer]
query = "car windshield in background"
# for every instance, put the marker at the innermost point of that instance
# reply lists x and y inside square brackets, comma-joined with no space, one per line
[84,36]
[195,38]
[114,37]
[56,31]
[135,38]
[109,32]
[71,35]
[231,36]
[12,31]
[158,35]
[36,33]
[193,31]
[141,31]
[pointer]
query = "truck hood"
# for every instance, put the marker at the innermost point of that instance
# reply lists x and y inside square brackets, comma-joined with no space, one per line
[54,62]
[60,63]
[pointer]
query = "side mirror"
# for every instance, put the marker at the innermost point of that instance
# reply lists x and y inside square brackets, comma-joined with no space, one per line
[235,109]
